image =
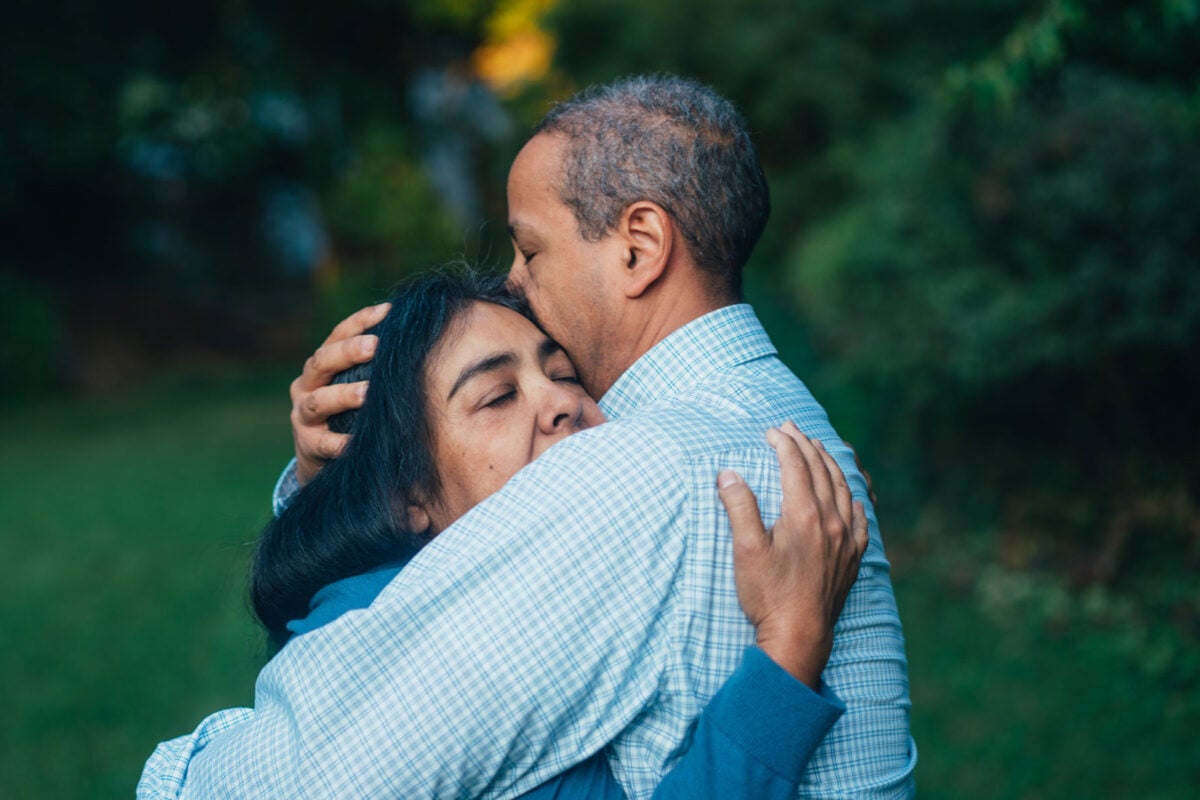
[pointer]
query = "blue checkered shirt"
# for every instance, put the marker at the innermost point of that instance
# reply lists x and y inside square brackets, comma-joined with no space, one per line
[588,604]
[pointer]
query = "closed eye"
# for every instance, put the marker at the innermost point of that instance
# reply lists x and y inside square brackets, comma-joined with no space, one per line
[501,400]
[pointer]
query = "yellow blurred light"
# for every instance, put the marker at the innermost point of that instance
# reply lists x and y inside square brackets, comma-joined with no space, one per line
[517,50]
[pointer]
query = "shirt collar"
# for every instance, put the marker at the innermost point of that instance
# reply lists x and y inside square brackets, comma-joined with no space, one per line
[717,341]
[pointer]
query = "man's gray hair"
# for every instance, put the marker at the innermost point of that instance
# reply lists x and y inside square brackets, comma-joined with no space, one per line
[673,142]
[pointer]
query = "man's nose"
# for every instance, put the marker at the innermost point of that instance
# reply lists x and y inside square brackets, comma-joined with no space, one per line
[516,273]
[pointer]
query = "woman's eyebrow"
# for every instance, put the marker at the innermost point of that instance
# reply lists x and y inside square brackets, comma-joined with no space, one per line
[477,368]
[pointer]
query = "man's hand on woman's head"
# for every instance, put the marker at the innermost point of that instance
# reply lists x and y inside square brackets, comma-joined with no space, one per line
[792,580]
[314,400]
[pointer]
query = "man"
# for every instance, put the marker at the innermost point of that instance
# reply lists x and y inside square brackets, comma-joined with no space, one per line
[591,600]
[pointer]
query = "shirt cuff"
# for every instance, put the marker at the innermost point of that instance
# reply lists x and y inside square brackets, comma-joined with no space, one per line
[285,488]
[767,712]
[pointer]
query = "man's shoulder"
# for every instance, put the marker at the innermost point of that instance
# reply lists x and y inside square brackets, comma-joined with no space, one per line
[729,412]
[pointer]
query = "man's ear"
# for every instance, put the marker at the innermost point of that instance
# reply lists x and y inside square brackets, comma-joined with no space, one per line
[648,232]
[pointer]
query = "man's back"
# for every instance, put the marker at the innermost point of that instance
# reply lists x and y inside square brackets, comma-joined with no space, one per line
[718,386]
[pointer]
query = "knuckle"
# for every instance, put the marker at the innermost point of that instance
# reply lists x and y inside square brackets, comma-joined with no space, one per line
[746,549]
[807,516]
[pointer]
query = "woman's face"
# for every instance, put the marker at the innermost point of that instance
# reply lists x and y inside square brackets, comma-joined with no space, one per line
[500,393]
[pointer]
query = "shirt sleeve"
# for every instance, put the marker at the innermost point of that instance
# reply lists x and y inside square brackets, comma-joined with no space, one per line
[754,740]
[522,639]
[166,770]
[870,753]
[285,488]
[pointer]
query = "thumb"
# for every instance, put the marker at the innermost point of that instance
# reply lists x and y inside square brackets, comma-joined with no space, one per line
[749,535]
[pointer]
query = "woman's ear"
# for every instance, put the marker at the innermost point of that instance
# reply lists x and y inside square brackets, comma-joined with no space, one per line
[418,519]
[417,515]
[648,232]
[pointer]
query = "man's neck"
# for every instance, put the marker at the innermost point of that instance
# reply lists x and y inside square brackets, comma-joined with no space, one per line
[643,328]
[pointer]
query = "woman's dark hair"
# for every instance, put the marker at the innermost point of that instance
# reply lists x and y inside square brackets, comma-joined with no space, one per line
[351,517]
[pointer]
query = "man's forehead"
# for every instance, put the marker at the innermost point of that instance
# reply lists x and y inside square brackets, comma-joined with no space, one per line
[539,163]
[533,184]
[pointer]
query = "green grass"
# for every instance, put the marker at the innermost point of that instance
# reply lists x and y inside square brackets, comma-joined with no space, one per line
[125,533]
[1018,694]
[123,621]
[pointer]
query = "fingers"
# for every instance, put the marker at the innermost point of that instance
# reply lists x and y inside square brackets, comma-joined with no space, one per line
[320,446]
[358,322]
[841,487]
[749,534]
[862,535]
[752,561]
[820,483]
[822,480]
[829,482]
[332,358]
[795,477]
[866,475]
[330,445]
[318,405]
[345,347]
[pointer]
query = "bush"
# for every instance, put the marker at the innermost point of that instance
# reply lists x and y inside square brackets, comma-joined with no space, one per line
[31,336]
[1015,289]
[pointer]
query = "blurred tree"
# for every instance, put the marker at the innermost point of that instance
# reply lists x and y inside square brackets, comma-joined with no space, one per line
[165,171]
[986,215]
[1013,285]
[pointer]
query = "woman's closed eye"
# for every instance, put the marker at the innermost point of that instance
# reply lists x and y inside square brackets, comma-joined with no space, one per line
[501,398]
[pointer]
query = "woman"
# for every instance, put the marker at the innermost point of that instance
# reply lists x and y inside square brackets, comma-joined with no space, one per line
[465,391]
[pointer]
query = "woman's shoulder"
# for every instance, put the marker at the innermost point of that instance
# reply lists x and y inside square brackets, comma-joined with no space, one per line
[347,594]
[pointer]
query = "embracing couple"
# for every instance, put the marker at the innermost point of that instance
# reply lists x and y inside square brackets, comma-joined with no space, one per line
[489,593]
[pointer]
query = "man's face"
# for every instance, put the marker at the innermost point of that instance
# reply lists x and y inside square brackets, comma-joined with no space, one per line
[561,274]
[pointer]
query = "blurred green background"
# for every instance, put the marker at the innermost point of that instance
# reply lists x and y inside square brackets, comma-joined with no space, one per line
[982,258]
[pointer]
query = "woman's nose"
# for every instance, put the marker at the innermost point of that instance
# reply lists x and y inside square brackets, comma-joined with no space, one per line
[562,408]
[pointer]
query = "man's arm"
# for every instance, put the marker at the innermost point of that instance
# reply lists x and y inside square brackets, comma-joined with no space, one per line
[759,731]
[524,637]
[165,771]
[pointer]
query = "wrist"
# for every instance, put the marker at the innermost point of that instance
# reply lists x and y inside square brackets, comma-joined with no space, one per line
[802,656]
[306,470]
